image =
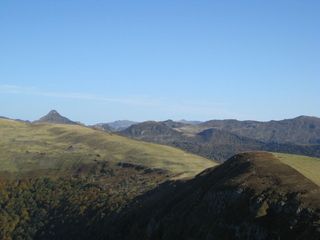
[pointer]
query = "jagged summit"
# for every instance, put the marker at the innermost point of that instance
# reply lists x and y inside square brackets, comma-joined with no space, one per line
[54,117]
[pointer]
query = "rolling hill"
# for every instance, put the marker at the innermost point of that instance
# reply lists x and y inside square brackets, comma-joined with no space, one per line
[26,147]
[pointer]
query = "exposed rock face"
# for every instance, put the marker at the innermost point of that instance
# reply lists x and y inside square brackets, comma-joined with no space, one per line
[251,196]
[54,117]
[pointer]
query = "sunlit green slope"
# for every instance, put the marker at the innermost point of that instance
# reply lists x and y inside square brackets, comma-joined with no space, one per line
[25,147]
[308,166]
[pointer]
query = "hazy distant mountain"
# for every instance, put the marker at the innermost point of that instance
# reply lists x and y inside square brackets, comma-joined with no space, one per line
[54,117]
[220,140]
[190,122]
[102,126]
[174,124]
[120,125]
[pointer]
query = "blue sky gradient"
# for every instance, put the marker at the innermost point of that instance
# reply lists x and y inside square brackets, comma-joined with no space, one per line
[98,61]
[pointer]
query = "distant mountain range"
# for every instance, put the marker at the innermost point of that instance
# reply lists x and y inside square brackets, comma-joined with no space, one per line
[190,122]
[217,139]
[300,130]
[120,125]
[221,139]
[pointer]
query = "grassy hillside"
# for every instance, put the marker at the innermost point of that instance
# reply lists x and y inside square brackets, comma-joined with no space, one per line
[308,166]
[25,147]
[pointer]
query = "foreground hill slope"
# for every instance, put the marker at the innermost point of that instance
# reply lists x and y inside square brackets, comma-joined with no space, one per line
[31,147]
[251,196]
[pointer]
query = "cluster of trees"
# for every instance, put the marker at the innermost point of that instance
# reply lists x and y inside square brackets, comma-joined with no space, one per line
[70,207]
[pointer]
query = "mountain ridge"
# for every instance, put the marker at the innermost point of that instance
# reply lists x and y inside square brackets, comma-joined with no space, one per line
[221,139]
[299,130]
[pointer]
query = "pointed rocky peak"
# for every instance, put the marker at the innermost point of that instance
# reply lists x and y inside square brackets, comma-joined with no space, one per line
[54,117]
[54,112]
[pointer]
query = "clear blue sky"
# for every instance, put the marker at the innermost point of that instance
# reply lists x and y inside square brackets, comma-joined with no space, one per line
[97,61]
